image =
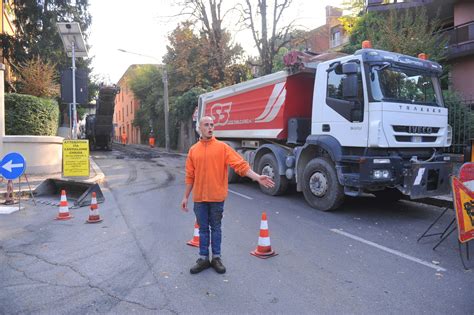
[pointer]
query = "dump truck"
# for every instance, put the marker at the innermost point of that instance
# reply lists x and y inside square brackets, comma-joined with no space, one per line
[335,125]
[99,129]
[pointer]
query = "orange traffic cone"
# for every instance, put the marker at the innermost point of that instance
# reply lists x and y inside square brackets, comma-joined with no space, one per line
[195,240]
[94,216]
[63,208]
[264,249]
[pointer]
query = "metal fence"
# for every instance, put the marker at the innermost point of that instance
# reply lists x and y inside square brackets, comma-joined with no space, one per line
[461,119]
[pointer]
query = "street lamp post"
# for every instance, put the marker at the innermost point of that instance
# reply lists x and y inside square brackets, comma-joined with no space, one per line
[75,46]
[166,103]
[165,96]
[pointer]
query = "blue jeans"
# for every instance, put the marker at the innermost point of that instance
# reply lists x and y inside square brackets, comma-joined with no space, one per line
[209,214]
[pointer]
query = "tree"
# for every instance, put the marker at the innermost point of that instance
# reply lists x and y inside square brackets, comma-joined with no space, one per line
[356,10]
[38,78]
[186,59]
[269,38]
[219,51]
[409,32]
[145,82]
[190,63]
[37,35]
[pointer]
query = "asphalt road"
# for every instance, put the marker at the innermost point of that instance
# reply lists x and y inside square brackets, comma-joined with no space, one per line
[362,259]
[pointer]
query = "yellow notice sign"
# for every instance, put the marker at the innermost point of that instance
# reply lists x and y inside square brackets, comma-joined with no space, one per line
[76,158]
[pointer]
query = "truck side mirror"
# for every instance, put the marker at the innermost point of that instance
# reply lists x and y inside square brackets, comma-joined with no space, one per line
[350,86]
[350,68]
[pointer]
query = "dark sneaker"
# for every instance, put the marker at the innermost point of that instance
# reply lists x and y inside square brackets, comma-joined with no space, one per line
[216,263]
[201,264]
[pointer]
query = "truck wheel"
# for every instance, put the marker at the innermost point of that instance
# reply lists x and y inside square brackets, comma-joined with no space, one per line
[321,188]
[269,166]
[108,147]
[388,195]
[232,176]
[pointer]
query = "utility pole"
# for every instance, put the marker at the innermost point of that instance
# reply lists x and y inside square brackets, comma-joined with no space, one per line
[166,103]
[74,109]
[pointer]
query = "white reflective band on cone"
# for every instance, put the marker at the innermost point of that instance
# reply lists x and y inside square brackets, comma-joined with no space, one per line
[263,241]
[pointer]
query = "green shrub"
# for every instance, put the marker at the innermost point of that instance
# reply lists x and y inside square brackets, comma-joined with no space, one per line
[30,115]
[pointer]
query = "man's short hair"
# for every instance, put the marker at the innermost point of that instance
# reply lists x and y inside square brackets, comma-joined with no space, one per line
[205,117]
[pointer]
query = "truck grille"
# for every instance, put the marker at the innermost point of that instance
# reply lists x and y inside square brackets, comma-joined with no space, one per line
[415,134]
[410,139]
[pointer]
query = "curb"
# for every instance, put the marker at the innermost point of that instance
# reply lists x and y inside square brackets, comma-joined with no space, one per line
[99,175]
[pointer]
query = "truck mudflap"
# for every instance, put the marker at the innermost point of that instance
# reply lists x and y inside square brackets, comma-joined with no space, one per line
[427,179]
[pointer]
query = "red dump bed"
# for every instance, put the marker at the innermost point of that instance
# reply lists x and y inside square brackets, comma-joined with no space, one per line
[260,108]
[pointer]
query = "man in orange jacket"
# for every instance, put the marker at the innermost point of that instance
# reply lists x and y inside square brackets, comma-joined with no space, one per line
[206,176]
[124,138]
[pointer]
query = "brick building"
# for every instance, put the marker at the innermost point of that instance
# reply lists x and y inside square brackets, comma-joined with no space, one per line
[329,37]
[126,106]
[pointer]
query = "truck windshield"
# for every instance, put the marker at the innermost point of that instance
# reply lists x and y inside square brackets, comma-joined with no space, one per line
[404,86]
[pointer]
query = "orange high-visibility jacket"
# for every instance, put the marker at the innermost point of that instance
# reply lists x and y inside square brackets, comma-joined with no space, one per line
[206,169]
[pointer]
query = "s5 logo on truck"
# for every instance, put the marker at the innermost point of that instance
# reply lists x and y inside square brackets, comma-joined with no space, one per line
[220,113]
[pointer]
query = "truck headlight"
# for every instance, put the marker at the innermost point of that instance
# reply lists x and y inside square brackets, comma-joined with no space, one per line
[449,136]
[381,174]
[381,161]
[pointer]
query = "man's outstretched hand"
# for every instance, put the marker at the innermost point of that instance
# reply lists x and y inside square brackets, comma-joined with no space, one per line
[265,181]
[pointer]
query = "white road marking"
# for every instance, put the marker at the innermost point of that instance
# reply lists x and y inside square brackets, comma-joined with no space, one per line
[389,250]
[241,195]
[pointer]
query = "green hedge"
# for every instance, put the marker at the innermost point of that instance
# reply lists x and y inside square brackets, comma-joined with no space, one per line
[30,115]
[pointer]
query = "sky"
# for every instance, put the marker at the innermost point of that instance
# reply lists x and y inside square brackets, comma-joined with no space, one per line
[143,27]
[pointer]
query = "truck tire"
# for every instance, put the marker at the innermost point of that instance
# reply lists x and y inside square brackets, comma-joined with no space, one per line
[268,165]
[388,195]
[321,188]
[108,147]
[232,176]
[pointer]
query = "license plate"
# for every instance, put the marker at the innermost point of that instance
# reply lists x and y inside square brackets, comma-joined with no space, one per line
[416,139]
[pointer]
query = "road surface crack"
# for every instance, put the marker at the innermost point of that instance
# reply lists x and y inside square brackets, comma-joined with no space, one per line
[10,254]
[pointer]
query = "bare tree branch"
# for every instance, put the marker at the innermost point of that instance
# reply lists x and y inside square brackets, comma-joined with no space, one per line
[248,12]
[269,37]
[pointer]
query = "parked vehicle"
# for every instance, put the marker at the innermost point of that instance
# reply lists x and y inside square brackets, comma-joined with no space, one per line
[99,127]
[371,122]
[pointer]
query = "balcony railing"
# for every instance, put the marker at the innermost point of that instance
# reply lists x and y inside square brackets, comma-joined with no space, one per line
[461,34]
[381,5]
[460,40]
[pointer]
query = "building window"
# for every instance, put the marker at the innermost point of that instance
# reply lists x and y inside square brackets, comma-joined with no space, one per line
[335,38]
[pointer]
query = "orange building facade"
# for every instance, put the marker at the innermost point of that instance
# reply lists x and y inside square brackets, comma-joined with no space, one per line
[7,27]
[126,105]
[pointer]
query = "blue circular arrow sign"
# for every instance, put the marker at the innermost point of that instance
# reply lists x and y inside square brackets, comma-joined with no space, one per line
[12,165]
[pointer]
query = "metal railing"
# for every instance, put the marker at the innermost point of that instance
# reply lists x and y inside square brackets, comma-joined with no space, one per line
[461,119]
[461,34]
